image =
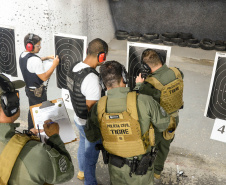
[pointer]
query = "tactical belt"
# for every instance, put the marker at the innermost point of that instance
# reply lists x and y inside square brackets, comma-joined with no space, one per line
[139,167]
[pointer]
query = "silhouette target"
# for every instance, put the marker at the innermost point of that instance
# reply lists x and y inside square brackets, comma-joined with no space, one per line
[7,52]
[70,52]
[134,64]
[217,101]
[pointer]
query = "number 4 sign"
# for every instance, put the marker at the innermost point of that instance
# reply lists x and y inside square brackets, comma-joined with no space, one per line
[219,130]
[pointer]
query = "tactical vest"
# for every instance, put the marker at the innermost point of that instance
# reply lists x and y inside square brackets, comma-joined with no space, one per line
[31,79]
[10,153]
[171,98]
[74,82]
[121,133]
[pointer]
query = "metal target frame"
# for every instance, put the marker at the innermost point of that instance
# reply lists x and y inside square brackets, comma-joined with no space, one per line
[216,99]
[68,52]
[8,62]
[134,52]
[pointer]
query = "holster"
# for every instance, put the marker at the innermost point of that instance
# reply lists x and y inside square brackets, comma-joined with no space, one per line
[143,165]
[117,161]
[38,91]
[146,161]
[170,131]
[105,154]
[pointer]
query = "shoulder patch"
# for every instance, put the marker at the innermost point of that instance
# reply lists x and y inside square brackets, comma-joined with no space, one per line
[63,164]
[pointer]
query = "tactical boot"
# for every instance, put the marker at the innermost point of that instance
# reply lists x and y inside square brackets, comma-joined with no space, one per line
[80,175]
[157,176]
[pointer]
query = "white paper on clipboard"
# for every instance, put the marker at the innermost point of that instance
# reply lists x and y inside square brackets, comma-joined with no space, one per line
[57,112]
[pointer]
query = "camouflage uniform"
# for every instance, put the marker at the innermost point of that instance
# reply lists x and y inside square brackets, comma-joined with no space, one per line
[165,76]
[38,163]
[148,112]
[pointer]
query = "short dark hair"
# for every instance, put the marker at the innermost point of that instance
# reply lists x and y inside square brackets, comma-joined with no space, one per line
[96,46]
[151,57]
[35,39]
[111,73]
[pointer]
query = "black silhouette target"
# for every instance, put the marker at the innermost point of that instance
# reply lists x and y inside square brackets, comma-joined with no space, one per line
[7,52]
[134,63]
[70,52]
[217,101]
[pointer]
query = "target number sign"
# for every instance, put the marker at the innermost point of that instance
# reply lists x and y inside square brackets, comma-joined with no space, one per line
[219,130]
[67,99]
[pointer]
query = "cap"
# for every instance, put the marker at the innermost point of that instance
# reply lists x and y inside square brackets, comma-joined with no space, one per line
[9,86]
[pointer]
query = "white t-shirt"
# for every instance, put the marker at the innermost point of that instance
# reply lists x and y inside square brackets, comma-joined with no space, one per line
[34,64]
[90,88]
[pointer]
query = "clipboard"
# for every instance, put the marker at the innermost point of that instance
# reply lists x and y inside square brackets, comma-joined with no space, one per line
[56,111]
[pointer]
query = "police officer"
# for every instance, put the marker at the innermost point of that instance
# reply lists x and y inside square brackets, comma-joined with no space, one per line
[34,73]
[23,158]
[165,85]
[125,121]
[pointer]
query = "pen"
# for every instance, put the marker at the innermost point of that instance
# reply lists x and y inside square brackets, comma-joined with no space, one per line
[39,133]
[51,122]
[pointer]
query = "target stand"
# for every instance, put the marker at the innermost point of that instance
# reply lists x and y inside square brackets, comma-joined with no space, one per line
[134,52]
[216,101]
[71,50]
[7,51]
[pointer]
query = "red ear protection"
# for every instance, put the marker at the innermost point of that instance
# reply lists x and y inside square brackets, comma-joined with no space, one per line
[30,44]
[29,47]
[101,57]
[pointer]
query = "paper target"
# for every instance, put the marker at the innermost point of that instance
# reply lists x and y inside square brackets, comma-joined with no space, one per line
[216,103]
[134,53]
[7,51]
[71,50]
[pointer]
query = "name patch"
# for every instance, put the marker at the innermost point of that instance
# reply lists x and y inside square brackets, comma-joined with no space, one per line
[119,128]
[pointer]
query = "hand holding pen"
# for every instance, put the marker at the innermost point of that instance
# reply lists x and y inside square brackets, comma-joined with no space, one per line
[51,127]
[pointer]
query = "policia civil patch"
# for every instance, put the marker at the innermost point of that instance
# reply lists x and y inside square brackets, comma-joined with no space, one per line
[118,128]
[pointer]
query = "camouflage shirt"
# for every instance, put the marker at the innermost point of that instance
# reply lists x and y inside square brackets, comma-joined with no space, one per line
[38,163]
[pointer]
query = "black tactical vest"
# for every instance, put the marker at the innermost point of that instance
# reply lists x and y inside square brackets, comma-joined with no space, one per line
[74,82]
[31,79]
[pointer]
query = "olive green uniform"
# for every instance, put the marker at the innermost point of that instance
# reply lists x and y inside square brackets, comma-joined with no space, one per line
[149,111]
[165,76]
[38,163]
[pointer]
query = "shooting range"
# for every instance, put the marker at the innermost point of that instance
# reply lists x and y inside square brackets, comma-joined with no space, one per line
[66,27]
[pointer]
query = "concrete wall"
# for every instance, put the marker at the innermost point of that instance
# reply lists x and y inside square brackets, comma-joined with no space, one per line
[203,18]
[91,18]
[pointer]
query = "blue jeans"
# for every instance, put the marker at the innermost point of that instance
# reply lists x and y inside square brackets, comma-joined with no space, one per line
[87,157]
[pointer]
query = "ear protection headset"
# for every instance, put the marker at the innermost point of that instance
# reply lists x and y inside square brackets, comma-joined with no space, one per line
[144,65]
[124,78]
[10,98]
[30,43]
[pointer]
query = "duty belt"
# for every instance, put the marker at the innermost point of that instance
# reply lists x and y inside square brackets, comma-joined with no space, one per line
[139,167]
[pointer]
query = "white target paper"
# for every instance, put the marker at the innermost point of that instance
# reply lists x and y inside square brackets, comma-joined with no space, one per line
[71,50]
[7,51]
[134,52]
[216,101]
